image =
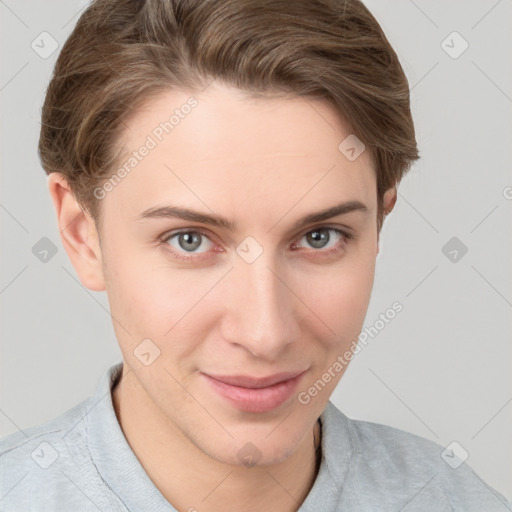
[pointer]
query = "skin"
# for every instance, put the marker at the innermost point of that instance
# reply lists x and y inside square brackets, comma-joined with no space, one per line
[263,164]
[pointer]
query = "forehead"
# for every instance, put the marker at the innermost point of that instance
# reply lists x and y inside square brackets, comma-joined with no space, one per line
[222,144]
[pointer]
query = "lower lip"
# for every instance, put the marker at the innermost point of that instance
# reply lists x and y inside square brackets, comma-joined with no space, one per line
[256,400]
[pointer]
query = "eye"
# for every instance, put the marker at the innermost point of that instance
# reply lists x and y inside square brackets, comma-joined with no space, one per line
[321,238]
[183,242]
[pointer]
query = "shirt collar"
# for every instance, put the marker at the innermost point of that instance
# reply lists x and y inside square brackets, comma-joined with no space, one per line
[112,455]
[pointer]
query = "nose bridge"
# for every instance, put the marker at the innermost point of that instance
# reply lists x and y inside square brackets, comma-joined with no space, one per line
[262,314]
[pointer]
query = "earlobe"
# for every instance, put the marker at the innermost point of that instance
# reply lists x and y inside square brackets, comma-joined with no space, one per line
[78,234]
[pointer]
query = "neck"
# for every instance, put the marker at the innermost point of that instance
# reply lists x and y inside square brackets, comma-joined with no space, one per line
[189,479]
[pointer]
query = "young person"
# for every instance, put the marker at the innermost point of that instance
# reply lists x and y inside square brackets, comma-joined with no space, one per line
[222,169]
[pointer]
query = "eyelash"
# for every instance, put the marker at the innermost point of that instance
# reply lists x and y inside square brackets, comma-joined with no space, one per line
[164,239]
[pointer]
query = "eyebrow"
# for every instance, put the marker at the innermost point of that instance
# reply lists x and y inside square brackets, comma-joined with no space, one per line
[176,212]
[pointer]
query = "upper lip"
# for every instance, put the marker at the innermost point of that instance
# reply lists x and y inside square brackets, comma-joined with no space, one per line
[255,382]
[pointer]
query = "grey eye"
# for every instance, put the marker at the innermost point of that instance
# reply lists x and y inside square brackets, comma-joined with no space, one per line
[188,241]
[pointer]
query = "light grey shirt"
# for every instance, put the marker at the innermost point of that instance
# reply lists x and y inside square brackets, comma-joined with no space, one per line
[81,462]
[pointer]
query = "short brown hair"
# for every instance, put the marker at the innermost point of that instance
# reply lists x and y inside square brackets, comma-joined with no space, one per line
[124,52]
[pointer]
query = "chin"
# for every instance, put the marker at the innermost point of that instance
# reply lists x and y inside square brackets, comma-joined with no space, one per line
[254,453]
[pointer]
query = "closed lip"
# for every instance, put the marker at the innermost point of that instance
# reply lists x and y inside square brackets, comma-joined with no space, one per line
[245,381]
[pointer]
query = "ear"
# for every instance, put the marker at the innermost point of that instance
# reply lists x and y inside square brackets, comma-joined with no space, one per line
[389,200]
[78,234]
[388,203]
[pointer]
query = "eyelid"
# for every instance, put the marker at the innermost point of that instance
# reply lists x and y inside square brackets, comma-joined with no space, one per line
[346,230]
[177,231]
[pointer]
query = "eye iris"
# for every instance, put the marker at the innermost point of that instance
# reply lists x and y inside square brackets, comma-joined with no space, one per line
[190,237]
[318,238]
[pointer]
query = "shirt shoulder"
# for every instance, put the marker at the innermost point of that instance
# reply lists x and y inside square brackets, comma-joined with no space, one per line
[47,465]
[15,443]
[392,467]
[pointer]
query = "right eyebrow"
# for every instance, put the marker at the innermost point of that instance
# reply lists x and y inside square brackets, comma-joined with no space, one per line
[176,212]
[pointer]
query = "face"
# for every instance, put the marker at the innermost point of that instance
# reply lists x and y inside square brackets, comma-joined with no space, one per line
[262,293]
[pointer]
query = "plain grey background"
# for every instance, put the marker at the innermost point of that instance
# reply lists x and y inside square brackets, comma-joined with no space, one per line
[441,368]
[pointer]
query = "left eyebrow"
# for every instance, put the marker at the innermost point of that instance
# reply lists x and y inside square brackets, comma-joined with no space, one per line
[329,213]
[175,212]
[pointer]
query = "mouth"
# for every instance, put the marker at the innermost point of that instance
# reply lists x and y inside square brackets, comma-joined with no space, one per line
[252,394]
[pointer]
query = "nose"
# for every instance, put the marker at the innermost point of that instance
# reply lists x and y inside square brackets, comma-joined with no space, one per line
[261,314]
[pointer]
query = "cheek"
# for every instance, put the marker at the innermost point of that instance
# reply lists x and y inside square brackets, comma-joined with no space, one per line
[340,293]
[340,299]
[137,292]
[150,299]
